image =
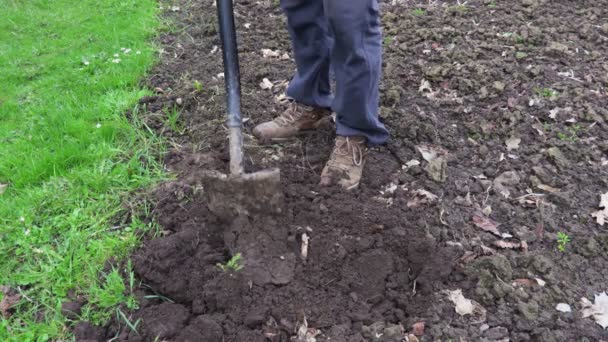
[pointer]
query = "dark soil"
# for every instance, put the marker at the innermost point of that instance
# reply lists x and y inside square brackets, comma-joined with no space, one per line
[378,261]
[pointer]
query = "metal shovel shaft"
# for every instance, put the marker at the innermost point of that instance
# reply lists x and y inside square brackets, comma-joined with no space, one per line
[238,193]
[232,76]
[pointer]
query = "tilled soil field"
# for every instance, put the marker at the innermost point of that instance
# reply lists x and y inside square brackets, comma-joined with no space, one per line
[498,156]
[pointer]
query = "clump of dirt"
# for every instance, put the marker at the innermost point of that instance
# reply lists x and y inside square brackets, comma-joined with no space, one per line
[499,142]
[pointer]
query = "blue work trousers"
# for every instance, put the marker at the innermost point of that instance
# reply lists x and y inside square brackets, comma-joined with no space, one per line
[346,35]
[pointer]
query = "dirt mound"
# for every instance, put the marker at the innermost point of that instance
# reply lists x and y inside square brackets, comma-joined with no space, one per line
[359,269]
[498,121]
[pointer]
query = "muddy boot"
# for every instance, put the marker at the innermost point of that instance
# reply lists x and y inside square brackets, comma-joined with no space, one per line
[345,166]
[295,119]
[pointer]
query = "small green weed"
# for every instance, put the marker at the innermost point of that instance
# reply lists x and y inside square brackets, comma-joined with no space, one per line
[418,12]
[518,39]
[198,86]
[571,133]
[546,92]
[233,265]
[562,241]
[492,4]
[173,121]
[458,9]
[123,317]
[388,40]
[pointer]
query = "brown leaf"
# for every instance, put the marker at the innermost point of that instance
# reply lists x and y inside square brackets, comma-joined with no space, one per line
[547,188]
[421,197]
[418,328]
[539,128]
[511,245]
[486,224]
[487,250]
[525,282]
[512,143]
[467,257]
[431,152]
[602,215]
[8,302]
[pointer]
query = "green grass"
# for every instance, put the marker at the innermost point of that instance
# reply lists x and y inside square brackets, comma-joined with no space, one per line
[235,264]
[562,241]
[418,12]
[546,93]
[570,133]
[68,72]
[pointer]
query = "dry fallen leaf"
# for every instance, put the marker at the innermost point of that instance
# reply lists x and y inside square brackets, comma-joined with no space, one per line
[539,128]
[553,113]
[598,310]
[486,224]
[464,306]
[389,188]
[430,152]
[487,210]
[504,181]
[306,334]
[418,328]
[602,215]
[267,53]
[524,282]
[467,257]
[513,143]
[425,86]
[421,196]
[3,188]
[437,162]
[511,245]
[547,188]
[266,84]
[413,162]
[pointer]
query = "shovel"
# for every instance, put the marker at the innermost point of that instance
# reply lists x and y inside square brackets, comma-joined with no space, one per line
[239,192]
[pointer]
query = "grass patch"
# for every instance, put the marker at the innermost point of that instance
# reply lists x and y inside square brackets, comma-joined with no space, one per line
[547,93]
[418,12]
[68,72]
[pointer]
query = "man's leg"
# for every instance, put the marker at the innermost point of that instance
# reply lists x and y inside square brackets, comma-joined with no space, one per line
[309,89]
[357,61]
[310,39]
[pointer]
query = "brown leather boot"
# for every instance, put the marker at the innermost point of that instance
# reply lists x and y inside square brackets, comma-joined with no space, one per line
[295,119]
[345,165]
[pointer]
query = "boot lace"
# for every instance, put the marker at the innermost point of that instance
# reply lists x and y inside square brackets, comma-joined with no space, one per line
[344,147]
[293,114]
